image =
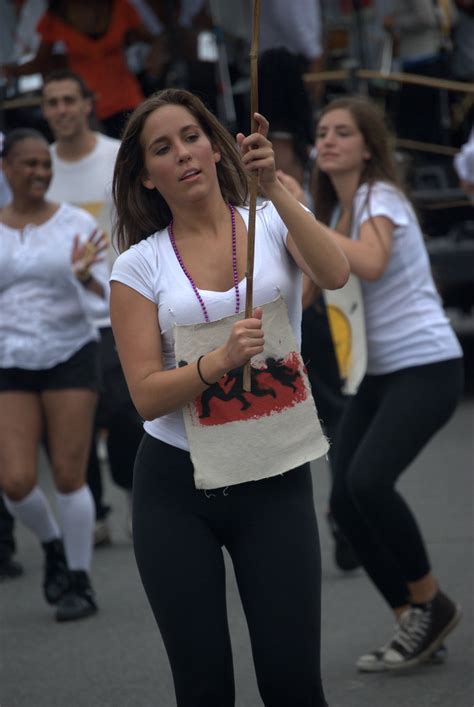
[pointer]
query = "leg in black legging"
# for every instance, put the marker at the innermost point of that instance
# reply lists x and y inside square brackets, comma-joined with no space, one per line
[123,440]
[7,540]
[388,423]
[181,565]
[270,530]
[276,556]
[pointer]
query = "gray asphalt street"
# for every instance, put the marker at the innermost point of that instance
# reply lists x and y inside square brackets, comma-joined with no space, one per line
[116,659]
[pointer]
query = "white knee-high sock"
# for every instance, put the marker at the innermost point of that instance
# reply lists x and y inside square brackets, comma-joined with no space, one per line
[76,517]
[35,512]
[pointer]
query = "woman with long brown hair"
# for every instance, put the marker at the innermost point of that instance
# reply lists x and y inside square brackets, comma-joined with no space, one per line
[414,375]
[180,189]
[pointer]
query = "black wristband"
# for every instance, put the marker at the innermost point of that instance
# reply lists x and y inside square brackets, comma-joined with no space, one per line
[199,371]
[86,281]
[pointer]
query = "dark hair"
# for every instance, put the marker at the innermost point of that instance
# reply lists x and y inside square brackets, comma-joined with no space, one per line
[18,135]
[381,166]
[140,211]
[284,100]
[68,75]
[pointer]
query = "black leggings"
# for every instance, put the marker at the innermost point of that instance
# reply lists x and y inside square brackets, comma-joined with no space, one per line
[269,529]
[385,426]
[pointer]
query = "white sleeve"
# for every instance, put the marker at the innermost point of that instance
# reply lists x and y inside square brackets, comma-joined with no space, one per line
[464,161]
[133,268]
[307,29]
[382,200]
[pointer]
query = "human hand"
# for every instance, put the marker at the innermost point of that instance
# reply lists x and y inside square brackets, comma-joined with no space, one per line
[85,254]
[7,71]
[388,23]
[292,185]
[157,57]
[246,340]
[468,188]
[257,153]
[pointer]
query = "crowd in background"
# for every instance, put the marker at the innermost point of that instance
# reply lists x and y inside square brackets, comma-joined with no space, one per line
[95,63]
[129,48]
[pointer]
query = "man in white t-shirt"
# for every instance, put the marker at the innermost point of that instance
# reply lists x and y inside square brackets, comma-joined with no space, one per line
[83,165]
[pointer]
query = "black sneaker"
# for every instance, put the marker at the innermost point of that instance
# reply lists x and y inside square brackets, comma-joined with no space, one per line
[56,573]
[421,630]
[79,600]
[10,569]
[344,554]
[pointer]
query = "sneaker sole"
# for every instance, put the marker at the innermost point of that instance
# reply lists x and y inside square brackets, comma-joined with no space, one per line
[423,657]
[380,667]
[63,618]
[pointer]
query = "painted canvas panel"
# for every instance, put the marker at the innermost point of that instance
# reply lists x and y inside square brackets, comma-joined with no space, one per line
[345,308]
[237,436]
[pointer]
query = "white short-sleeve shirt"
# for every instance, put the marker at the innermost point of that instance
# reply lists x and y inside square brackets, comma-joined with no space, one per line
[405,321]
[46,315]
[151,268]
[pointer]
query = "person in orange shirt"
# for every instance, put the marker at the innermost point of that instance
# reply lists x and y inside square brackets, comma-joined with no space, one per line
[90,38]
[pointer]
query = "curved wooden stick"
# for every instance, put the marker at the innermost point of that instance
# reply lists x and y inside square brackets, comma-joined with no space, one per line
[254,179]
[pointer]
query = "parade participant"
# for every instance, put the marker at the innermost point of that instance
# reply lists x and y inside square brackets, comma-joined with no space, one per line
[9,567]
[464,166]
[414,375]
[90,39]
[283,98]
[51,284]
[83,165]
[180,188]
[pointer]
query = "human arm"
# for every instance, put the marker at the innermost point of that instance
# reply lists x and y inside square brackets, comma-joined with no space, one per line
[311,291]
[420,16]
[158,56]
[86,253]
[369,255]
[292,185]
[309,242]
[464,166]
[154,390]
[42,63]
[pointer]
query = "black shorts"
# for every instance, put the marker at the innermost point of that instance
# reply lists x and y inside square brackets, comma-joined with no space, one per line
[80,371]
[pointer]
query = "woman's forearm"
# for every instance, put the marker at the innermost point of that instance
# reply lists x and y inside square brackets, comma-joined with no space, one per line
[363,261]
[162,392]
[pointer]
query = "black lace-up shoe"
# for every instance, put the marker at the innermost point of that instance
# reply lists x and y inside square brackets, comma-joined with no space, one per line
[79,600]
[344,554]
[421,631]
[10,569]
[56,573]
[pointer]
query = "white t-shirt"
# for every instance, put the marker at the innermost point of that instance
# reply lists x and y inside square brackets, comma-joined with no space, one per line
[405,322]
[296,27]
[45,313]
[88,183]
[151,268]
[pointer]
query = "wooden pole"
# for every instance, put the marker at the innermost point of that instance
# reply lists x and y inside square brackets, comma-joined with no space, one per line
[397,76]
[254,179]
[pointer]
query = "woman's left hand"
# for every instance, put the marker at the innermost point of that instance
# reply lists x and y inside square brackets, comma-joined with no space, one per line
[85,253]
[257,153]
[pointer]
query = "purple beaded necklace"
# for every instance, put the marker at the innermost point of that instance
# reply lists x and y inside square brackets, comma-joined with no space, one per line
[234,266]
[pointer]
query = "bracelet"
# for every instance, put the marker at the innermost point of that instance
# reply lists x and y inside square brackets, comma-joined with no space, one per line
[85,279]
[199,371]
[82,273]
[84,276]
